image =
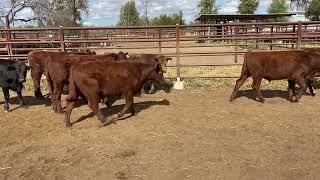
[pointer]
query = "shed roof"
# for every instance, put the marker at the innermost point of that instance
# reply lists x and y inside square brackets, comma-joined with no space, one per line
[229,17]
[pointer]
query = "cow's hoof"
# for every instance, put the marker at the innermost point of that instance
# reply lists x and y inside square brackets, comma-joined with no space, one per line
[294,99]
[24,106]
[313,94]
[6,111]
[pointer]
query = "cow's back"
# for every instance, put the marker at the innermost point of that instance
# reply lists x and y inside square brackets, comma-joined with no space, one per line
[275,65]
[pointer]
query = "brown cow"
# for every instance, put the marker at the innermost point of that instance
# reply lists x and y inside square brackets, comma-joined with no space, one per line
[58,68]
[152,59]
[96,80]
[37,60]
[277,65]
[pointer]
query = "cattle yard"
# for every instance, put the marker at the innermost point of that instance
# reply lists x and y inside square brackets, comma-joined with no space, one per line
[189,45]
[186,134]
[171,136]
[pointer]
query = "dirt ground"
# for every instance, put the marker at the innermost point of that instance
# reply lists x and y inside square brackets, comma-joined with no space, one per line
[195,134]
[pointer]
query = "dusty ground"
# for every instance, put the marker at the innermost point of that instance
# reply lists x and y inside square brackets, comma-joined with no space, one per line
[194,134]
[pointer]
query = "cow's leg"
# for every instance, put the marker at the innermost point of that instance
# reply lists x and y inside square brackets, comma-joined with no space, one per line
[6,99]
[36,78]
[56,97]
[108,101]
[309,84]
[93,103]
[239,83]
[302,83]
[70,103]
[128,106]
[132,110]
[291,90]
[256,86]
[22,103]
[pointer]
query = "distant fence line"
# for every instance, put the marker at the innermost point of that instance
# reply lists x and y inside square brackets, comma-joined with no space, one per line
[17,42]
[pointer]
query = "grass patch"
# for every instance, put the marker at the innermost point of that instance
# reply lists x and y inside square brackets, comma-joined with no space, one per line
[220,83]
[200,83]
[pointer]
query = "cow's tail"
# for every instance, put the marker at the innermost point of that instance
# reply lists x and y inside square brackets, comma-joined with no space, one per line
[73,95]
[49,81]
[245,70]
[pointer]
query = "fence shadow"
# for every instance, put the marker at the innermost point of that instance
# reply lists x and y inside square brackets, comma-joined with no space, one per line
[140,106]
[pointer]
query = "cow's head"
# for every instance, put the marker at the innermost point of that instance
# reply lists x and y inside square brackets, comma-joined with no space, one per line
[162,60]
[156,74]
[21,70]
[123,55]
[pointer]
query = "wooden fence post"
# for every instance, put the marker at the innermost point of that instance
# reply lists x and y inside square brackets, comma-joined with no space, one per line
[236,48]
[257,34]
[271,41]
[178,51]
[160,40]
[299,32]
[61,34]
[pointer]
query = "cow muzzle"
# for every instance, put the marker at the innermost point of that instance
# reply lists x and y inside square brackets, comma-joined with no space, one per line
[22,80]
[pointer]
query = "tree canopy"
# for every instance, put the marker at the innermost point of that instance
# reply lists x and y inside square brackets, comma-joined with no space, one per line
[278,6]
[129,15]
[313,10]
[207,7]
[175,18]
[248,6]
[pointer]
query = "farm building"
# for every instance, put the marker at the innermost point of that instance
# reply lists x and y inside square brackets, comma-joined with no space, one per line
[220,19]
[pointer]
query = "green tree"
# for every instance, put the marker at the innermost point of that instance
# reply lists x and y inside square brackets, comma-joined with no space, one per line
[313,10]
[248,6]
[163,19]
[299,3]
[207,7]
[278,6]
[129,15]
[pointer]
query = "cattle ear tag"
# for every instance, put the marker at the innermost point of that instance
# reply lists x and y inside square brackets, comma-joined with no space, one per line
[11,68]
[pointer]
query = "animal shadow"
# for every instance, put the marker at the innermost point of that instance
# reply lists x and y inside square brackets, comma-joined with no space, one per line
[140,106]
[29,101]
[251,94]
[166,87]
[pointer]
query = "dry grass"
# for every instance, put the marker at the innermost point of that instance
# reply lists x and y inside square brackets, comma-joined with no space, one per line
[219,83]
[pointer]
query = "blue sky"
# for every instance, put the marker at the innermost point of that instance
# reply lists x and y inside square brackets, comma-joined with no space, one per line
[106,12]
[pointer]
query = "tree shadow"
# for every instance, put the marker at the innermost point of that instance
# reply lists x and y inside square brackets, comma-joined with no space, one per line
[140,106]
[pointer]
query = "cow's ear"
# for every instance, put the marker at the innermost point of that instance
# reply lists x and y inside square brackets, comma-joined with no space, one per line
[11,68]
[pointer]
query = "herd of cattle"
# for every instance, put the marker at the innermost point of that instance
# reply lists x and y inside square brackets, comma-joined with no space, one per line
[106,78]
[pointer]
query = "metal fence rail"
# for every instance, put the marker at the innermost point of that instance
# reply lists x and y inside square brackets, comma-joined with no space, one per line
[241,37]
